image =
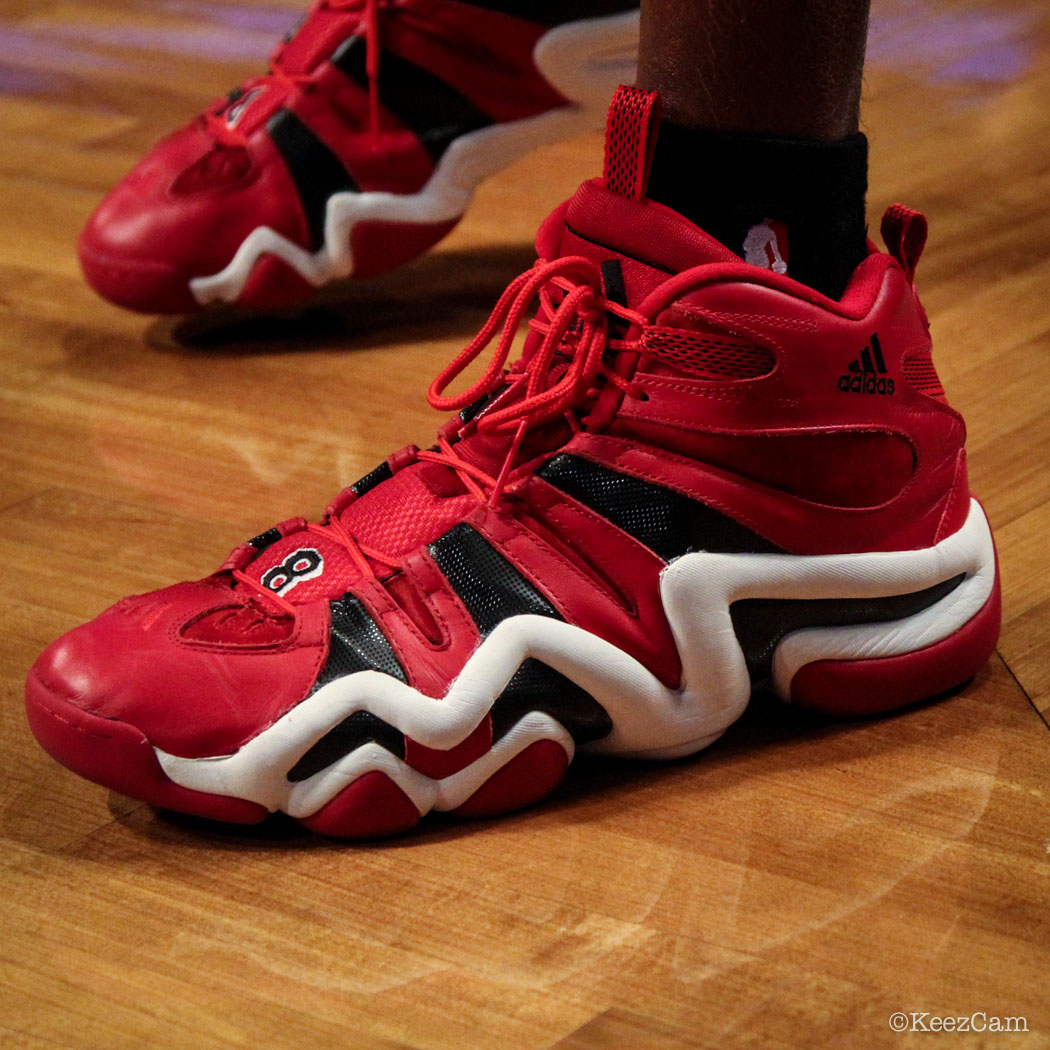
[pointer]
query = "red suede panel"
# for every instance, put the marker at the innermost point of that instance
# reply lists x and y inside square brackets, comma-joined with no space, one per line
[240,625]
[640,629]
[316,38]
[338,115]
[380,246]
[402,588]
[957,502]
[273,284]
[431,664]
[843,468]
[638,229]
[486,55]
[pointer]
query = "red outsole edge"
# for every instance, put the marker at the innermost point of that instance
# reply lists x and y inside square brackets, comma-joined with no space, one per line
[525,779]
[149,287]
[373,805]
[370,807]
[118,756]
[273,284]
[157,288]
[855,688]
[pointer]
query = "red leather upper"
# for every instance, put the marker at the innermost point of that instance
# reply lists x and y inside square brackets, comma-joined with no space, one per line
[185,208]
[806,449]
[188,696]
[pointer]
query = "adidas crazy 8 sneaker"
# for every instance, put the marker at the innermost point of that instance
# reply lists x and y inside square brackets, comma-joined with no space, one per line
[700,476]
[357,151]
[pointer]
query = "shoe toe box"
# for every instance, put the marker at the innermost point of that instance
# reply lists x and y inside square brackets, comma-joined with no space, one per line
[181,213]
[192,695]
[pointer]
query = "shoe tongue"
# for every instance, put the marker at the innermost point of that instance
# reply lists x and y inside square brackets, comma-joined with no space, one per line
[312,40]
[637,242]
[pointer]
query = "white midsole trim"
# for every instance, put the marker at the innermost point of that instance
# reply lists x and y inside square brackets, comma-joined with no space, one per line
[649,719]
[308,796]
[583,60]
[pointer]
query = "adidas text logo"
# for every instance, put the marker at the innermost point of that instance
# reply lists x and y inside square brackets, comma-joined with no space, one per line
[867,375]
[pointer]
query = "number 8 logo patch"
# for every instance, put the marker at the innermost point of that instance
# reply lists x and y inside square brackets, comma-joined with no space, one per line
[303,564]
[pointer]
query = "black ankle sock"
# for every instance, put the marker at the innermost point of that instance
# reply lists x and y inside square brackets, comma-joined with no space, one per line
[731,184]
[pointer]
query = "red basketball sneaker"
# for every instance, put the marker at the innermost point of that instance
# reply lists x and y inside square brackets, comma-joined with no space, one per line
[701,476]
[357,151]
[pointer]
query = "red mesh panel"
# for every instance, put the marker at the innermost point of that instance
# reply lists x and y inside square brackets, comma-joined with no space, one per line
[402,513]
[920,373]
[708,356]
[629,139]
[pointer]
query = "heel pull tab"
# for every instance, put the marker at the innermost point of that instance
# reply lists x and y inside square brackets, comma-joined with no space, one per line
[630,138]
[904,231]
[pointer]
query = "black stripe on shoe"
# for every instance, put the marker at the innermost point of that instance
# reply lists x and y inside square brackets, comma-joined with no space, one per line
[615,289]
[876,349]
[353,732]
[372,478]
[356,643]
[315,170]
[434,110]
[666,522]
[493,590]
[537,687]
[265,539]
[487,584]
[761,623]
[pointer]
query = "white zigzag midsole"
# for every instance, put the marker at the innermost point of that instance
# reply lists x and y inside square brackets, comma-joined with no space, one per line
[583,61]
[649,719]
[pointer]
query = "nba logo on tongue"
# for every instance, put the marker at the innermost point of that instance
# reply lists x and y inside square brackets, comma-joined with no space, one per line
[766,245]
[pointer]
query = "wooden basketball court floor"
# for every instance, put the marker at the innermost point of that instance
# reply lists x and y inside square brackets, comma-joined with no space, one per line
[795,886]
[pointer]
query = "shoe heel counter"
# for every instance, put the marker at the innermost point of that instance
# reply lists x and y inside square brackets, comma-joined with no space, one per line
[875,668]
[918,368]
[936,430]
[904,231]
[957,502]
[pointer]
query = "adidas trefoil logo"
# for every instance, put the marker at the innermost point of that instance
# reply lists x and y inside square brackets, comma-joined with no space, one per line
[867,375]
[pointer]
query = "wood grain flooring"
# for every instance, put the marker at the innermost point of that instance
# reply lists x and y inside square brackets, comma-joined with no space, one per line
[791,888]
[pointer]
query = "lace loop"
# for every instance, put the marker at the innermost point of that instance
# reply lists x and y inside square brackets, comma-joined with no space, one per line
[577,324]
[576,327]
[561,365]
[218,122]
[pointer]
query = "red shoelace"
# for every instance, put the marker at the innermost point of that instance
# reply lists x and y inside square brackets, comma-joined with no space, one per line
[288,83]
[571,327]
